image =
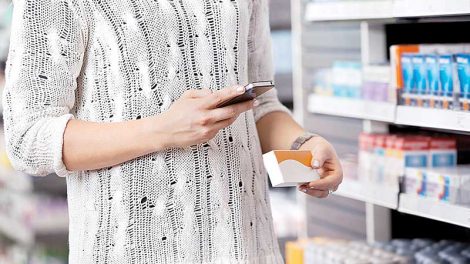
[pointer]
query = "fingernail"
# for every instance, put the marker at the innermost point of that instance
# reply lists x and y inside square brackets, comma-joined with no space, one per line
[255,103]
[316,164]
[304,190]
[240,89]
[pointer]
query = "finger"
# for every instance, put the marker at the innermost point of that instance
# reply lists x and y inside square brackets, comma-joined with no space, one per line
[231,111]
[328,182]
[220,96]
[197,93]
[224,123]
[314,192]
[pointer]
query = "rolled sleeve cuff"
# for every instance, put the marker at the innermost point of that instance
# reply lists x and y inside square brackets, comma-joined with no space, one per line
[58,145]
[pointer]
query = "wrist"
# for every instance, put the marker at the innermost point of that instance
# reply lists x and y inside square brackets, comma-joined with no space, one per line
[155,131]
[303,139]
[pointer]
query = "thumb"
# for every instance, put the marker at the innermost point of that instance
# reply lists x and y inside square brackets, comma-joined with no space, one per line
[318,157]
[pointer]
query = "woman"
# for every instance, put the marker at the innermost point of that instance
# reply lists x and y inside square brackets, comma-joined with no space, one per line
[120,97]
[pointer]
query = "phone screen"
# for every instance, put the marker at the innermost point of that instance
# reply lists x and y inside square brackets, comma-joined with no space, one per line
[252,91]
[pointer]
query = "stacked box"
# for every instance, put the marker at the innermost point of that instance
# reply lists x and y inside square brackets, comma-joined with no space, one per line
[443,152]
[463,69]
[450,185]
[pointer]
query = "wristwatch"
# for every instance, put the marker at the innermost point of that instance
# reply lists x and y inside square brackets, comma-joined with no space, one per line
[301,140]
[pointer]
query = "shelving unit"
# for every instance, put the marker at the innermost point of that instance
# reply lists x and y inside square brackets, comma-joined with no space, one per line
[329,105]
[433,118]
[384,9]
[441,211]
[372,16]
[390,113]
[369,193]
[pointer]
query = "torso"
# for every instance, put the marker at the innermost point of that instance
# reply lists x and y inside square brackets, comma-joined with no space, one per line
[204,204]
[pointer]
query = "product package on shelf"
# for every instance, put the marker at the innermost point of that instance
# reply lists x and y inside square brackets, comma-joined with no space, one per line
[366,155]
[404,152]
[442,152]
[347,79]
[352,80]
[376,81]
[331,251]
[441,184]
[431,75]
[383,158]
[398,251]
[463,69]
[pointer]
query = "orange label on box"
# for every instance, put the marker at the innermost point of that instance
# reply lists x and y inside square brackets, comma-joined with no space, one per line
[304,157]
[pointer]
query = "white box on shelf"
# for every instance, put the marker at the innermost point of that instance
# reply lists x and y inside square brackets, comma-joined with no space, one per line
[289,167]
[448,185]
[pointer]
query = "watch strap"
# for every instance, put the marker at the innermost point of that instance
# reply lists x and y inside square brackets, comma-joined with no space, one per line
[297,144]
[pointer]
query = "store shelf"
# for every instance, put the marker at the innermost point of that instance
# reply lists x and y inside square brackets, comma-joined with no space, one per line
[15,231]
[424,207]
[330,105]
[349,10]
[371,193]
[433,118]
[351,189]
[384,9]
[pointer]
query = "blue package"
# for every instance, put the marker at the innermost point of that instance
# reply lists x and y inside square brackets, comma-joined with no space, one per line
[432,76]
[407,75]
[446,76]
[347,79]
[420,86]
[407,71]
[463,70]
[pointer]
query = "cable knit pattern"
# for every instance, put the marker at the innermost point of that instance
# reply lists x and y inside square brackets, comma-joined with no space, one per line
[115,60]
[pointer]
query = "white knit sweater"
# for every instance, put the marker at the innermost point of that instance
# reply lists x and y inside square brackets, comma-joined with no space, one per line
[115,60]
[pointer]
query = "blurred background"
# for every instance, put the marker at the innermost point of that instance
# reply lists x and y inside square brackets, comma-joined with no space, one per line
[372,76]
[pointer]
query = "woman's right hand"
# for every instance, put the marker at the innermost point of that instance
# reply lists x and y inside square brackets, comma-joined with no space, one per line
[194,118]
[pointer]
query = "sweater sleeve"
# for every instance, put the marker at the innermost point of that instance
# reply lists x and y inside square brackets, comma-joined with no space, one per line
[260,62]
[44,61]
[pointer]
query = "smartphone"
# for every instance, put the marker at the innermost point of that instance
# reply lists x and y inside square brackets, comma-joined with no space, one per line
[252,90]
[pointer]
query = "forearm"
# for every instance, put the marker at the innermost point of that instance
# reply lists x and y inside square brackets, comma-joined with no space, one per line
[90,145]
[277,130]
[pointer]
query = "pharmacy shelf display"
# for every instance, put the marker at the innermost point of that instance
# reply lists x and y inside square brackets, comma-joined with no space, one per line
[408,203]
[425,207]
[387,112]
[373,16]
[384,9]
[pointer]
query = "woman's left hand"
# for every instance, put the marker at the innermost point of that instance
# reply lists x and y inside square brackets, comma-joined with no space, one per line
[326,162]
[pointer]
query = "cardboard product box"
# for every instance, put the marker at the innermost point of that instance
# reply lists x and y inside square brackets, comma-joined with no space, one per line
[443,152]
[399,83]
[463,69]
[415,181]
[449,184]
[366,155]
[390,164]
[378,159]
[289,167]
[408,152]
